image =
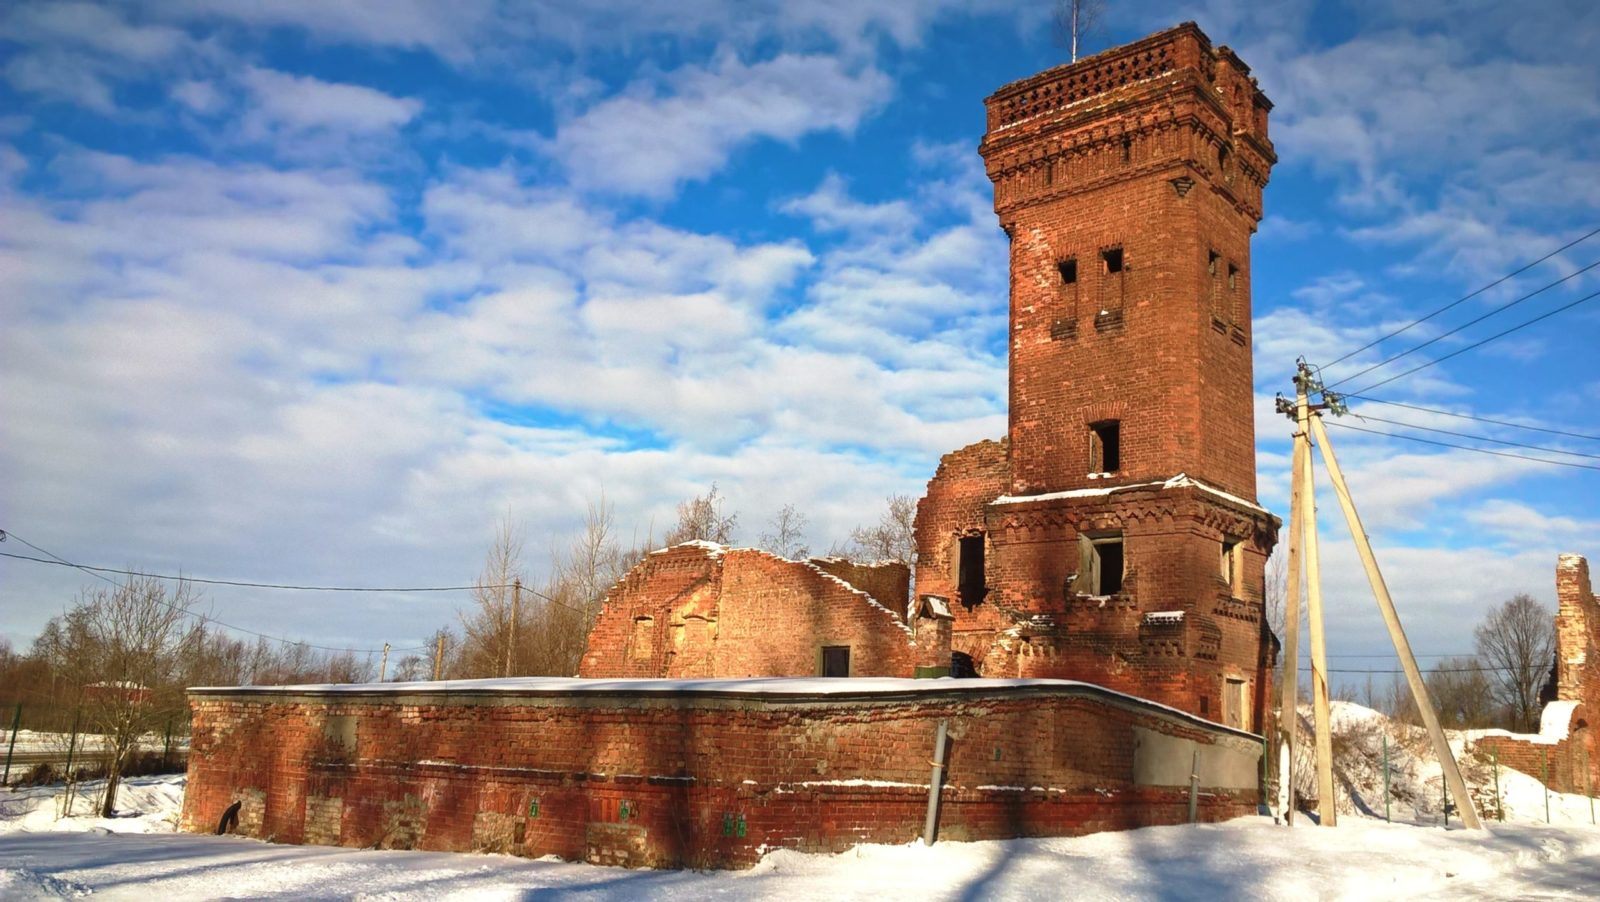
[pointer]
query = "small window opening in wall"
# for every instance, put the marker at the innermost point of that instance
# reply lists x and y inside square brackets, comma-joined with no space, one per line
[1205,705]
[1212,257]
[1222,160]
[970,582]
[1105,446]
[1127,149]
[1113,259]
[1100,565]
[644,638]
[1233,276]
[835,660]
[1069,271]
[1234,698]
[1230,565]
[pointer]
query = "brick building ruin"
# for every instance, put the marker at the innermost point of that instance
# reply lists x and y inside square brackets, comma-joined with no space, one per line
[1565,752]
[1101,567]
[1113,536]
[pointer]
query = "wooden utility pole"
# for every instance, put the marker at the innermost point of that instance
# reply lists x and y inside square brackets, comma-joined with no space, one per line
[438,658]
[1288,710]
[383,668]
[1391,619]
[516,601]
[1328,814]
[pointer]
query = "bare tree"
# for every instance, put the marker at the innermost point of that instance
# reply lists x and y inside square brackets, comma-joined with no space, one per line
[892,538]
[1461,692]
[702,518]
[1075,20]
[120,649]
[490,629]
[1516,643]
[787,538]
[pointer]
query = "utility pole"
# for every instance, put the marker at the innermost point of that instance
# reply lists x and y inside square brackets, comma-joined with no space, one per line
[1289,709]
[516,602]
[383,667]
[1328,814]
[438,658]
[1380,591]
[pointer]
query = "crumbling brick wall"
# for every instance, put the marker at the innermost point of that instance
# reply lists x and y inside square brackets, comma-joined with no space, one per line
[699,610]
[702,775]
[1565,752]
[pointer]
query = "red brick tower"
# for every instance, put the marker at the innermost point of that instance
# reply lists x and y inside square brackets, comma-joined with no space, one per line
[1125,546]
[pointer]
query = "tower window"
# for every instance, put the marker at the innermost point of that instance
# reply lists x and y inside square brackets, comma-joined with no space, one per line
[1069,271]
[1105,446]
[1127,149]
[1113,259]
[1212,257]
[1233,276]
[970,571]
[1232,565]
[1100,565]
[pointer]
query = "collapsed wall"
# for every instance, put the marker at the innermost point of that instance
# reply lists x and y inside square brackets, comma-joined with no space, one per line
[697,773]
[700,610]
[1564,752]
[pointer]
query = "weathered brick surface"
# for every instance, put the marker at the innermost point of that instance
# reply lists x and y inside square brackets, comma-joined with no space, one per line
[1157,150]
[1568,755]
[686,779]
[699,610]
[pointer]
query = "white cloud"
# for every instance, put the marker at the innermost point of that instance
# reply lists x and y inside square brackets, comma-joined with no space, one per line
[653,137]
[307,118]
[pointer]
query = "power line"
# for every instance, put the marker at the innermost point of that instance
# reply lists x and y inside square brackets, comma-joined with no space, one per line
[63,562]
[1490,669]
[1429,441]
[1468,416]
[1481,438]
[1417,322]
[1479,344]
[1469,323]
[233,582]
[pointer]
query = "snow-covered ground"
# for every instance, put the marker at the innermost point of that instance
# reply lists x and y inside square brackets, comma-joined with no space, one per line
[137,857]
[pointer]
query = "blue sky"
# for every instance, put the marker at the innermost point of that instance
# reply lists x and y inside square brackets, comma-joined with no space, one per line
[316,292]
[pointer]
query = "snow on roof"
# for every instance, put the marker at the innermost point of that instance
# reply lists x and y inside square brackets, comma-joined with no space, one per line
[1163,617]
[936,606]
[1554,723]
[1180,481]
[712,548]
[775,688]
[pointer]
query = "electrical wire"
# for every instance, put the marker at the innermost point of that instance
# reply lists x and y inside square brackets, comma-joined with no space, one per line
[1479,344]
[1419,321]
[1480,438]
[1429,441]
[63,562]
[1468,324]
[233,582]
[1468,416]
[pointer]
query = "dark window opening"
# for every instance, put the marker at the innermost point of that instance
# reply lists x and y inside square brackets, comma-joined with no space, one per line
[1105,446]
[1108,565]
[1068,270]
[970,577]
[1100,565]
[1233,276]
[1222,159]
[1113,259]
[1205,705]
[1211,262]
[1127,149]
[836,660]
[961,665]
